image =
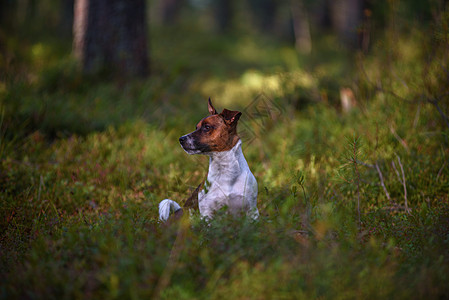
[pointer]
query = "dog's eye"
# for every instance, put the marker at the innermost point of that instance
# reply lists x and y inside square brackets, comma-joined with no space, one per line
[207,127]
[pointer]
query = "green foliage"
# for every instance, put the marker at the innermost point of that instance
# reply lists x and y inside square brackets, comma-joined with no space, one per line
[84,163]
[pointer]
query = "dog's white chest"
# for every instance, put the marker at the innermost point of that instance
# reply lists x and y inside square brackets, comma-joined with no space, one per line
[230,184]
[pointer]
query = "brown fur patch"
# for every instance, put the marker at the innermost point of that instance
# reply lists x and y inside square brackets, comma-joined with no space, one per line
[214,132]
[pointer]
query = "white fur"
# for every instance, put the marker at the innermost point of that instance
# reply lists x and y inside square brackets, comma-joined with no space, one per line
[229,183]
[166,207]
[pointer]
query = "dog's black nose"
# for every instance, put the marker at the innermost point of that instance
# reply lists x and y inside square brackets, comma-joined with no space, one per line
[182,139]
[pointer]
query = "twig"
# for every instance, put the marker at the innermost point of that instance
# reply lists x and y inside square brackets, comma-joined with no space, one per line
[400,79]
[382,181]
[396,171]
[404,184]
[365,164]
[395,207]
[380,88]
[175,253]
[401,141]
[41,184]
[442,114]
[418,111]
[441,170]
[358,180]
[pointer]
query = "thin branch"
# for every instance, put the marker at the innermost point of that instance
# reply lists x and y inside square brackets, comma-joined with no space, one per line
[404,184]
[382,182]
[442,114]
[380,88]
[441,170]
[365,164]
[400,140]
[173,258]
[396,171]
[358,179]
[434,101]
[418,111]
[400,79]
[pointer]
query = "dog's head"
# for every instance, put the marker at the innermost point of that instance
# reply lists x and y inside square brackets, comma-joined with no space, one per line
[215,133]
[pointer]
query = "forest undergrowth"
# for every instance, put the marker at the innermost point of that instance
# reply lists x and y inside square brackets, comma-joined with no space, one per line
[354,204]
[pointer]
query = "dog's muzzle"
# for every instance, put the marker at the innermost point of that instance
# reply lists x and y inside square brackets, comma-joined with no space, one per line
[190,146]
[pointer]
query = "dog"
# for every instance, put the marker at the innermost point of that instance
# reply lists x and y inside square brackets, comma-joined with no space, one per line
[229,182]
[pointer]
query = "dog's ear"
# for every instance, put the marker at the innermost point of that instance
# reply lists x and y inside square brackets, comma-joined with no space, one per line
[231,116]
[211,108]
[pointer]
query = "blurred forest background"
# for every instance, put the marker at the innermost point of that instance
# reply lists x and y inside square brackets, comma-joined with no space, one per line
[345,125]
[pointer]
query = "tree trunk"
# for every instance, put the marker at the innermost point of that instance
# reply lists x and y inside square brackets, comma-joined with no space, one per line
[171,10]
[223,13]
[320,15]
[264,12]
[66,21]
[8,15]
[111,36]
[346,19]
[303,40]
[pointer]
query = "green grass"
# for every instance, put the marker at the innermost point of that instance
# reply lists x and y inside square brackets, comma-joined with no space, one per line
[84,163]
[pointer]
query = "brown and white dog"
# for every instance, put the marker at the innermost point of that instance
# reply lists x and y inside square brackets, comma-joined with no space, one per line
[230,182]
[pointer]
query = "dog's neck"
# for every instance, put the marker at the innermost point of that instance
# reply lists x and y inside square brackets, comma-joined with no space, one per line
[226,165]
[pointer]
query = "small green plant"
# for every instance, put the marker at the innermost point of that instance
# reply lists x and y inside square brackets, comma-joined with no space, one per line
[349,171]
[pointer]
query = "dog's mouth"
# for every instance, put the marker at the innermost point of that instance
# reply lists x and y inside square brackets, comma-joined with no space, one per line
[191,151]
[191,146]
[195,150]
